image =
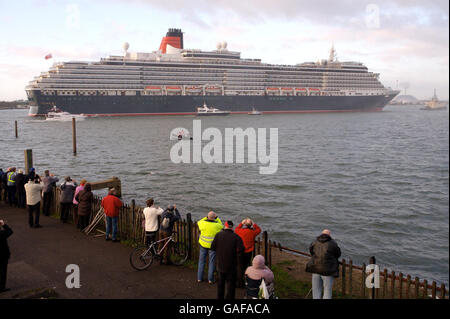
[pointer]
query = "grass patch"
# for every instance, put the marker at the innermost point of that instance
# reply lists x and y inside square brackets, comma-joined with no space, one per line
[288,287]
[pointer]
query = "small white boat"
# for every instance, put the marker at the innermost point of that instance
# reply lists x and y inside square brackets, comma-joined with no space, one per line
[205,110]
[57,115]
[255,112]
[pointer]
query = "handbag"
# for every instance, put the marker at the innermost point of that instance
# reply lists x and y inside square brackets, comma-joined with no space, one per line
[263,292]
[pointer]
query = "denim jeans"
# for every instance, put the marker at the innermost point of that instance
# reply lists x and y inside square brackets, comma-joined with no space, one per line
[111,221]
[202,262]
[322,283]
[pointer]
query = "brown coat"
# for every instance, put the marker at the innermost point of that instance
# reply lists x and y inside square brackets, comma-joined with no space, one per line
[84,199]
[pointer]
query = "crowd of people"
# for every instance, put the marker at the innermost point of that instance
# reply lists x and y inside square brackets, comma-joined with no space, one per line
[229,250]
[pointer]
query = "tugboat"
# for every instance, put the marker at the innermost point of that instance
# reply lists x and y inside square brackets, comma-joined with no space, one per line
[435,104]
[207,111]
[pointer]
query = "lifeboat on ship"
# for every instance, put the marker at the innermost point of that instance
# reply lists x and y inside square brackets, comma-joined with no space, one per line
[173,90]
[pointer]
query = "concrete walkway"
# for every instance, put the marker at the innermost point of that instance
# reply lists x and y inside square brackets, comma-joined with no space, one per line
[39,258]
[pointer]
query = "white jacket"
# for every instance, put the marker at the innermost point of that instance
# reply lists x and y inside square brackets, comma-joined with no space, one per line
[151,218]
[33,192]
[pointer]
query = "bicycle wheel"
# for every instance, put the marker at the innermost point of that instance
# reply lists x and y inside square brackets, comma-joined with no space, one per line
[141,258]
[178,255]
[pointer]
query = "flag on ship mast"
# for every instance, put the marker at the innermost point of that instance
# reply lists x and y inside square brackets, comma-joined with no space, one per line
[48,56]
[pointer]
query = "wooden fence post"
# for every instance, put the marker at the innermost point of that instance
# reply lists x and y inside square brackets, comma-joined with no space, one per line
[385,281]
[350,277]
[265,246]
[442,294]
[189,233]
[15,129]
[408,285]
[425,289]
[393,285]
[270,254]
[400,283]
[363,281]
[416,287]
[433,290]
[343,277]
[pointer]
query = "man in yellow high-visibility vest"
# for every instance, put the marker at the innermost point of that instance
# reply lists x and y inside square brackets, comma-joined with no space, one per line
[11,184]
[209,226]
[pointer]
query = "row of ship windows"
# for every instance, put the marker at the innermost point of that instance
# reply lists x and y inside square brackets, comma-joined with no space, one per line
[208,65]
[207,70]
[238,87]
[249,92]
[200,83]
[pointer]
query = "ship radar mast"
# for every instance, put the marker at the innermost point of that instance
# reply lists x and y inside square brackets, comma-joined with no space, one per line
[332,57]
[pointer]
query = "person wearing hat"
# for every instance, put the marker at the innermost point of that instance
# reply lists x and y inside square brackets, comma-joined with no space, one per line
[324,264]
[229,249]
[20,189]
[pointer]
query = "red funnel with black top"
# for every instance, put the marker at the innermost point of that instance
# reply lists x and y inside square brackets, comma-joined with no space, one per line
[174,37]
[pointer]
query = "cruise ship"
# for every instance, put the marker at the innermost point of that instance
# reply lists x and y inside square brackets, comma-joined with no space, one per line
[176,81]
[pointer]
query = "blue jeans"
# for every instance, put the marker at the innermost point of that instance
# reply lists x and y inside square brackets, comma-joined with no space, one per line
[322,283]
[202,262]
[111,221]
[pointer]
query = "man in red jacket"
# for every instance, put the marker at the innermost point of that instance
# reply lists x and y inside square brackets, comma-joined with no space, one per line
[111,205]
[248,231]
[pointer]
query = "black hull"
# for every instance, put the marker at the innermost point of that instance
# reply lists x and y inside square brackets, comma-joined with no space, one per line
[174,105]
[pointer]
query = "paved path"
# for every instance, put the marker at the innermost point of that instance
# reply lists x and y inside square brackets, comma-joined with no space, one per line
[40,256]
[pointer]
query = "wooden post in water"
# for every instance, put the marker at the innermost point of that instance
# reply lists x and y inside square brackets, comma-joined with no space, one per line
[15,129]
[74,136]
[28,160]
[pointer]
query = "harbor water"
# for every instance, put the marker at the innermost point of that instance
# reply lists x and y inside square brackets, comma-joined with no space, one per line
[379,181]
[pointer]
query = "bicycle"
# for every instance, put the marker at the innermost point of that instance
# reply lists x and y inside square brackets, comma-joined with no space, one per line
[142,256]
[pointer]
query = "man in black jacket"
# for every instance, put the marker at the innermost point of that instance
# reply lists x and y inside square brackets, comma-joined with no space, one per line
[5,232]
[324,265]
[229,250]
